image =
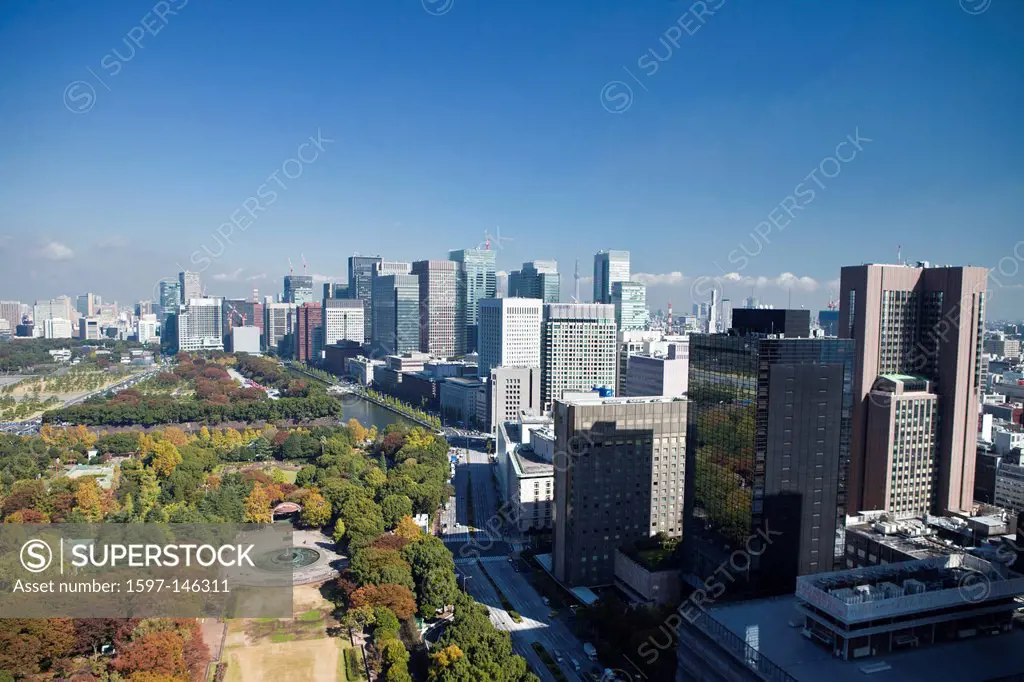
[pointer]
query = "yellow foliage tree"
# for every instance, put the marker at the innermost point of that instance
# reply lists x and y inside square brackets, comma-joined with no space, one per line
[359,432]
[176,436]
[445,658]
[89,499]
[257,506]
[408,529]
[166,458]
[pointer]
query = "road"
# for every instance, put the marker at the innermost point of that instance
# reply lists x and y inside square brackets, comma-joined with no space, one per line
[489,540]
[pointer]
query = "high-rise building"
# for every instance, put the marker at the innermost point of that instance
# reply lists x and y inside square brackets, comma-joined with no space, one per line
[360,286]
[11,311]
[793,323]
[770,449]
[630,301]
[659,372]
[509,335]
[59,307]
[144,308]
[441,321]
[277,323]
[828,320]
[87,305]
[241,312]
[537,279]
[200,325]
[396,314]
[189,286]
[511,391]
[343,321]
[609,267]
[298,289]
[620,477]
[392,267]
[578,346]
[725,321]
[145,328]
[309,319]
[170,298]
[925,322]
[88,328]
[477,281]
[57,328]
[629,343]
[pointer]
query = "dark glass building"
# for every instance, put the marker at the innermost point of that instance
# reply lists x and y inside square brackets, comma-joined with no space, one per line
[360,285]
[791,323]
[768,457]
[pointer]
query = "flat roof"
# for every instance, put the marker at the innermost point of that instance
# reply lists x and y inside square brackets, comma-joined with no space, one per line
[598,400]
[773,627]
[529,464]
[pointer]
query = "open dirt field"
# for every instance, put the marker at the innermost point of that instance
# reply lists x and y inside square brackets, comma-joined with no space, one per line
[315,660]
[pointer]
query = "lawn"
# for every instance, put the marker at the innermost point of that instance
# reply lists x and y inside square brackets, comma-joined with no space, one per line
[317,659]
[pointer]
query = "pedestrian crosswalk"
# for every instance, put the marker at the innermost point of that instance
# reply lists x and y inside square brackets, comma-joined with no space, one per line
[484,559]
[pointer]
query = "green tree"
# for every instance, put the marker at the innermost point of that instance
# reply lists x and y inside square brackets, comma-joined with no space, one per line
[363,521]
[393,508]
[372,566]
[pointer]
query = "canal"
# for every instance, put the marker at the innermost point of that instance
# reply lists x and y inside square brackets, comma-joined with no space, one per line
[369,414]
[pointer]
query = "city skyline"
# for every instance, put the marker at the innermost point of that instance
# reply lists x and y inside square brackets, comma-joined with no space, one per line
[89,204]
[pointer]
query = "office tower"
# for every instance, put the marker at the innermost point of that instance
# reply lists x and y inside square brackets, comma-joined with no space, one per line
[309,318]
[752,302]
[509,335]
[11,311]
[901,419]
[662,370]
[170,298]
[713,317]
[145,328]
[144,308]
[343,321]
[395,303]
[59,307]
[577,349]
[790,323]
[88,328]
[609,267]
[537,279]
[511,391]
[329,288]
[277,323]
[200,325]
[725,321]
[925,322]
[828,320]
[298,289]
[189,286]
[628,343]
[88,305]
[770,449]
[619,478]
[441,320]
[57,328]
[360,285]
[514,284]
[477,281]
[392,267]
[630,301]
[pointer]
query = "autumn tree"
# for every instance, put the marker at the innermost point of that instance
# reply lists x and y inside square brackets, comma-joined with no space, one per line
[395,597]
[257,506]
[316,511]
[408,529]
[359,432]
[165,458]
[29,646]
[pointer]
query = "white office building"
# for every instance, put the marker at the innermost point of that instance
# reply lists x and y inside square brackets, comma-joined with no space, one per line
[57,328]
[145,329]
[609,267]
[343,320]
[509,334]
[200,325]
[662,369]
[525,470]
[58,307]
[511,391]
[277,323]
[630,301]
[578,349]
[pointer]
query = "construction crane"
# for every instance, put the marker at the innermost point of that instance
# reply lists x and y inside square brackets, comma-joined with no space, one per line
[234,310]
[291,268]
[832,303]
[576,277]
[305,266]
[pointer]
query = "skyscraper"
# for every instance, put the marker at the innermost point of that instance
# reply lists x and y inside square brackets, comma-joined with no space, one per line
[200,325]
[343,321]
[87,306]
[396,314]
[477,281]
[11,311]
[298,289]
[578,349]
[510,330]
[537,279]
[278,319]
[441,321]
[189,286]
[170,298]
[769,445]
[927,323]
[609,267]
[619,478]
[308,325]
[630,301]
[360,286]
[59,307]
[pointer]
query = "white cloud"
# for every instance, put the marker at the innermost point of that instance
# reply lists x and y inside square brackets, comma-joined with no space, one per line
[235,276]
[786,280]
[53,250]
[666,279]
[253,278]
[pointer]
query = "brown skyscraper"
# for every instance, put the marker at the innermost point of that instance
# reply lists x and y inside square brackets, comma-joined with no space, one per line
[910,323]
[309,320]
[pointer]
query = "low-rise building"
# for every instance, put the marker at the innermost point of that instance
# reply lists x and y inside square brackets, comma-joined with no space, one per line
[526,471]
[510,391]
[658,372]
[362,369]
[460,401]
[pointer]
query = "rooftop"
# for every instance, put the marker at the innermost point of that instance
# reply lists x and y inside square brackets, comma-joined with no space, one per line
[529,464]
[598,400]
[768,626]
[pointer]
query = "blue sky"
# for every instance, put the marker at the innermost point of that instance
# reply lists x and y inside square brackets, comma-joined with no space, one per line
[451,119]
